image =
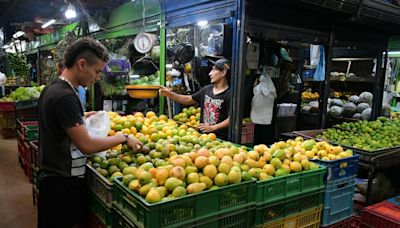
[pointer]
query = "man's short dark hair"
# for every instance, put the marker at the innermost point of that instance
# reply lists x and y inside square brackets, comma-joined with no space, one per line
[86,48]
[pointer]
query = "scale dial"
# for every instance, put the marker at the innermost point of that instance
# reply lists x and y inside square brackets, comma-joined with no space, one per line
[143,42]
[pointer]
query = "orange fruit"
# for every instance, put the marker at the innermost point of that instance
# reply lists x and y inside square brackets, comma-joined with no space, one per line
[150,114]
[212,136]
[139,114]
[111,132]
[133,130]
[126,131]
[163,117]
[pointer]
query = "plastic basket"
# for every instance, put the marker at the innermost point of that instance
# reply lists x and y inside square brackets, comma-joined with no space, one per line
[26,156]
[384,214]
[31,132]
[291,185]
[120,220]
[341,168]
[33,145]
[35,172]
[29,129]
[309,218]
[271,212]
[350,222]
[354,222]
[7,107]
[26,104]
[35,194]
[182,210]
[99,185]
[247,133]
[103,212]
[338,201]
[395,200]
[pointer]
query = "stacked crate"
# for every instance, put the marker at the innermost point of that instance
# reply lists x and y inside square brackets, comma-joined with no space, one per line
[26,113]
[228,206]
[34,154]
[385,214]
[27,131]
[339,190]
[7,120]
[294,200]
[100,199]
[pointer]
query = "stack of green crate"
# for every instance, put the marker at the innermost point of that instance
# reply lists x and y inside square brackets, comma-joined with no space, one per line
[99,197]
[229,206]
[283,199]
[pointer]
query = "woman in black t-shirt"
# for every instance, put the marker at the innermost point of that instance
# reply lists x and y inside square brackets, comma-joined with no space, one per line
[213,99]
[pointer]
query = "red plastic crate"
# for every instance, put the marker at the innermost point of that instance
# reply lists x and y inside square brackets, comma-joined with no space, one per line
[354,222]
[7,106]
[358,207]
[350,222]
[381,215]
[247,133]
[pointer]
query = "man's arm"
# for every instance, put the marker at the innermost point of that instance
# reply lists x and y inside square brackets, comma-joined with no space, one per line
[88,144]
[206,128]
[182,99]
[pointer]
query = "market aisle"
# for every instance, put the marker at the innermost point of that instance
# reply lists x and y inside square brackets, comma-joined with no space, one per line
[16,207]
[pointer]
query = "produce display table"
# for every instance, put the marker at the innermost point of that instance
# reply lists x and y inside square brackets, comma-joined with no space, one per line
[372,162]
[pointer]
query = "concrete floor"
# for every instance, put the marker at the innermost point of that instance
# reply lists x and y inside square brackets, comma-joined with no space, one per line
[16,205]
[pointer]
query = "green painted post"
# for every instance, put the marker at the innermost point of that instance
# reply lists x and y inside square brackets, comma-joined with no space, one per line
[162,63]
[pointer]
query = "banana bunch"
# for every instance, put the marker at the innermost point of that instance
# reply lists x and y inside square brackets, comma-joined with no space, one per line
[309,95]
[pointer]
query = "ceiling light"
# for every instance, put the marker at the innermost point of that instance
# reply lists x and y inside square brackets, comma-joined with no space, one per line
[70,13]
[202,23]
[18,34]
[47,24]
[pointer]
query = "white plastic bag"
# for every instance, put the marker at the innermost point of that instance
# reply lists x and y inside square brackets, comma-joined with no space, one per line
[98,125]
[262,105]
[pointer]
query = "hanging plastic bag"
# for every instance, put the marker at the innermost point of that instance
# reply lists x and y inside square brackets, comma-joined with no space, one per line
[262,105]
[319,74]
[98,125]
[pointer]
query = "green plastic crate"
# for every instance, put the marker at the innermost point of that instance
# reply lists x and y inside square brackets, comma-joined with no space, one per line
[269,212]
[100,209]
[240,218]
[185,209]
[291,185]
[99,185]
[31,132]
[120,220]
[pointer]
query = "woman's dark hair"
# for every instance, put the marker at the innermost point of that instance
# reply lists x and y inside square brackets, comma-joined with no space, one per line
[86,48]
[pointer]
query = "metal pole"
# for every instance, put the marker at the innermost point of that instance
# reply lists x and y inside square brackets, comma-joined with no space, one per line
[237,79]
[162,62]
[323,104]
[378,85]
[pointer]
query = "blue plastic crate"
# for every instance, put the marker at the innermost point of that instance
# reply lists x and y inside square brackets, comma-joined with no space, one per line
[395,200]
[338,200]
[342,168]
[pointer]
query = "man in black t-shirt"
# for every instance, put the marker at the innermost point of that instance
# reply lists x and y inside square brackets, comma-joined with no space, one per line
[64,140]
[213,99]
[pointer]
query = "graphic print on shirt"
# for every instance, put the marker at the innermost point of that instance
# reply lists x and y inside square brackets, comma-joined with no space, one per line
[211,110]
